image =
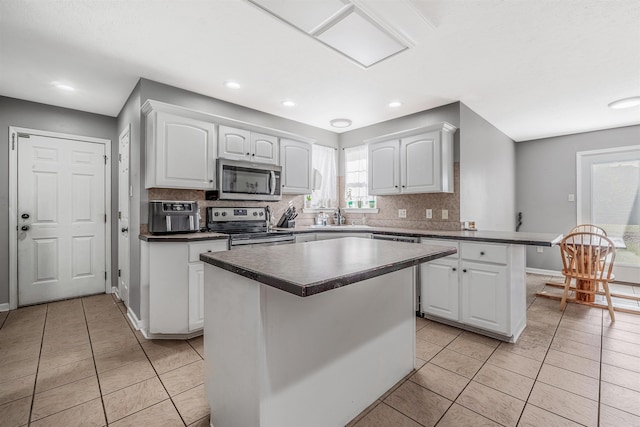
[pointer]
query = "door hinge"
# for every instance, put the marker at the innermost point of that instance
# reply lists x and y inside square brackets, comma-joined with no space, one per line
[119,215]
[105,218]
[119,272]
[105,275]
[13,141]
[119,157]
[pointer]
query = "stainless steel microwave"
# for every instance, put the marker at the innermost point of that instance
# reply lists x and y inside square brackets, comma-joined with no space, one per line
[248,181]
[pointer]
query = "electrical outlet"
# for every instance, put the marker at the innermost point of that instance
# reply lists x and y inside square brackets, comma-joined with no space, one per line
[571,198]
[429,213]
[402,213]
[540,249]
[445,214]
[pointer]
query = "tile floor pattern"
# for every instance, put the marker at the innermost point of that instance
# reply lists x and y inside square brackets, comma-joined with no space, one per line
[78,362]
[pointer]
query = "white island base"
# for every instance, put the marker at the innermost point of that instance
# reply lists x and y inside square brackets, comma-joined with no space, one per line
[274,359]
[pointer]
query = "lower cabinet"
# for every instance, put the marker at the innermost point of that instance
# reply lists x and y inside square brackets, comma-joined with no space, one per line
[176,285]
[483,288]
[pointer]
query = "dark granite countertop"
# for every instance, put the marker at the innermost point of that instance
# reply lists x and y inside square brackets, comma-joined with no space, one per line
[182,237]
[305,269]
[506,237]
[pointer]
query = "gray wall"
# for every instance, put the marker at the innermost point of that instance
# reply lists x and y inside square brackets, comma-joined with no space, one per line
[546,175]
[16,112]
[487,173]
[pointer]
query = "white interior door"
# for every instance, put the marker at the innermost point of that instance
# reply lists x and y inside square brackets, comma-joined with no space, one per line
[124,192]
[61,219]
[609,197]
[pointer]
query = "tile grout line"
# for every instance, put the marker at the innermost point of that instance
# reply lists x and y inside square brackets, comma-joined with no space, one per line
[35,379]
[95,367]
[156,372]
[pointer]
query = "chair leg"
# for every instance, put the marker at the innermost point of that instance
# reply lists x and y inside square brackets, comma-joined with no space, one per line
[567,284]
[605,285]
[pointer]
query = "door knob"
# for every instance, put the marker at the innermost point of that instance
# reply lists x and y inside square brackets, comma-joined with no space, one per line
[124,229]
[24,228]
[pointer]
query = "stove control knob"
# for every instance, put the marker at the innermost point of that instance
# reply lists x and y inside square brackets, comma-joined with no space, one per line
[224,214]
[261,214]
[255,214]
[216,214]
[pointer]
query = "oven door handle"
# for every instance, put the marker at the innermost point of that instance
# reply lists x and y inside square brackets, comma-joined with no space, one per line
[272,183]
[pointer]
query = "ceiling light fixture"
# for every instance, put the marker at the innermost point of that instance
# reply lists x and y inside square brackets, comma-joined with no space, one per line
[62,86]
[288,103]
[232,85]
[395,104]
[633,101]
[340,123]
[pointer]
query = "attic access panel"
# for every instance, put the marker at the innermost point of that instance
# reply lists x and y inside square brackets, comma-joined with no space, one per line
[340,25]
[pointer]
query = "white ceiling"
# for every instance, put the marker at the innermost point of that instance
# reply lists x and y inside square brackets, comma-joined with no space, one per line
[533,68]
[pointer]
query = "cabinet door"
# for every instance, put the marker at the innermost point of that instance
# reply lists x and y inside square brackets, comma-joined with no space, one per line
[185,153]
[295,159]
[234,144]
[439,288]
[420,163]
[384,163]
[196,296]
[264,148]
[485,296]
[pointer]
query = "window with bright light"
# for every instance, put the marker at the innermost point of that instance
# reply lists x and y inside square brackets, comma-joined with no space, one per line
[324,194]
[355,176]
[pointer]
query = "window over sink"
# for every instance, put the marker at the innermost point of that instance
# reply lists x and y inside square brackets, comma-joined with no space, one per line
[355,177]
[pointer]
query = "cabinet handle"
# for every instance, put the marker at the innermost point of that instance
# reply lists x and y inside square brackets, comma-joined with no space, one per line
[247,154]
[464,270]
[454,269]
[253,154]
[404,186]
[396,186]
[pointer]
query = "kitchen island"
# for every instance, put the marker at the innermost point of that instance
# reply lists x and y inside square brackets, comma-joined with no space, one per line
[308,334]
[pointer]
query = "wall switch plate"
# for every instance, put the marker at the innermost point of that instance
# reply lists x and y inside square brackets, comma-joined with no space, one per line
[445,214]
[571,198]
[429,213]
[540,249]
[402,213]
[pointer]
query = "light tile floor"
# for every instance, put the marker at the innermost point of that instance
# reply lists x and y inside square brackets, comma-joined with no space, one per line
[78,362]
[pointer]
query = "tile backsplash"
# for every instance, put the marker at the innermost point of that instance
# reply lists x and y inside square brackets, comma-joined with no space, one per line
[415,204]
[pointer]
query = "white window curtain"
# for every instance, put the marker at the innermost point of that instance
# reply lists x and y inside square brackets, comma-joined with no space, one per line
[324,161]
[355,171]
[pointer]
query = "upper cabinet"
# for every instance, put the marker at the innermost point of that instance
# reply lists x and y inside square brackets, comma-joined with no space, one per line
[240,144]
[413,161]
[180,152]
[297,169]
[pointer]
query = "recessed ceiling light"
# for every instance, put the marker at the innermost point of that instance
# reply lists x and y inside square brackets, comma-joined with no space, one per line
[288,103]
[62,86]
[232,85]
[395,104]
[634,101]
[340,123]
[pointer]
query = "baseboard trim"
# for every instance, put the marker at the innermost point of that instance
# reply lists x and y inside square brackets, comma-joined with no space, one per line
[188,336]
[4,307]
[133,319]
[114,290]
[543,272]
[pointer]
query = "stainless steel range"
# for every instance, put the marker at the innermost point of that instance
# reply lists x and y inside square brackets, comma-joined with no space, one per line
[246,226]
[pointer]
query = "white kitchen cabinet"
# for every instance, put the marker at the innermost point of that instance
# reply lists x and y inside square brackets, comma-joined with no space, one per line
[414,161]
[482,288]
[439,283]
[297,169]
[176,285]
[180,151]
[240,144]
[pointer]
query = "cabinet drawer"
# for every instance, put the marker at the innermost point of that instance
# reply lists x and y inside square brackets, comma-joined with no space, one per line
[484,252]
[449,243]
[195,249]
